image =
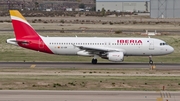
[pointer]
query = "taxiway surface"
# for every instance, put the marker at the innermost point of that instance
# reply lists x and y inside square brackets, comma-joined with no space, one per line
[45,95]
[86,65]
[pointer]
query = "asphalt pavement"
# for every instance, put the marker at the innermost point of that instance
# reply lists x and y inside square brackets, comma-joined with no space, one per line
[171,66]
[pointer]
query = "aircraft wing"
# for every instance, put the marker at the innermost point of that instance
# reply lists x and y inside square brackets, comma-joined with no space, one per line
[99,49]
[94,49]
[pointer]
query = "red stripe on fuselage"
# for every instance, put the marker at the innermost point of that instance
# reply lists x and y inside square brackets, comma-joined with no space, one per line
[24,32]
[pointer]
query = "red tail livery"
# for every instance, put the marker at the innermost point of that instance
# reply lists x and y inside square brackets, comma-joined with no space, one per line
[26,36]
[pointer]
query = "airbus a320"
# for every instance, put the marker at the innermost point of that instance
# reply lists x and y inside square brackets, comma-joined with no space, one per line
[112,49]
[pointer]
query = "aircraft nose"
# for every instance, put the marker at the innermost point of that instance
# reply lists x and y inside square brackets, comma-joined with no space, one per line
[171,49]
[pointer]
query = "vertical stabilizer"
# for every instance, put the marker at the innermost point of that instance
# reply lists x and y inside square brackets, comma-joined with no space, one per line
[25,34]
[22,29]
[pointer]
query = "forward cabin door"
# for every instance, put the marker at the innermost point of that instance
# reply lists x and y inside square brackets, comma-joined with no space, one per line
[151,44]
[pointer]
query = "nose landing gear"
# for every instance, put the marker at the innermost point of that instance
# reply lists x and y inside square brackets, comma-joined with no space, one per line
[150,60]
[151,63]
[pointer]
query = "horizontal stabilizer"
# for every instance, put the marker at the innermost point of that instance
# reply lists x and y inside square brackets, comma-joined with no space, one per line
[15,42]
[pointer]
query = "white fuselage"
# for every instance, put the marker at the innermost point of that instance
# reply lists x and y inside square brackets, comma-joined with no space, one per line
[129,46]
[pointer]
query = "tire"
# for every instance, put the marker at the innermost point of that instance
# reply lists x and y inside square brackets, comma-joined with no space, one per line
[150,62]
[94,61]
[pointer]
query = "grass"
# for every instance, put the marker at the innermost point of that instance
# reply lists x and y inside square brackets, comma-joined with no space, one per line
[75,79]
[13,53]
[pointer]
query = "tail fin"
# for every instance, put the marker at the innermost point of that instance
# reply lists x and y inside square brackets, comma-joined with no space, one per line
[26,36]
[22,29]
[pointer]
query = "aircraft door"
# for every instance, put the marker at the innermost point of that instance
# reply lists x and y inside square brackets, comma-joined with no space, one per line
[151,44]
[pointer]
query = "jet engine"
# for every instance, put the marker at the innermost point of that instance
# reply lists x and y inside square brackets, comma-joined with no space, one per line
[115,56]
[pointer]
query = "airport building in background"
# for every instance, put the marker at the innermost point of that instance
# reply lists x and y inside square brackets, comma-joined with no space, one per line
[123,5]
[165,9]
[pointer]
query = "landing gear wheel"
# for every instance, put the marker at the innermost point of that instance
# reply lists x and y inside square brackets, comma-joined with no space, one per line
[151,62]
[94,61]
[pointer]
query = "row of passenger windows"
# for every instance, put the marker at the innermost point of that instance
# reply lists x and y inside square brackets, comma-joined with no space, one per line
[78,43]
[161,44]
[95,43]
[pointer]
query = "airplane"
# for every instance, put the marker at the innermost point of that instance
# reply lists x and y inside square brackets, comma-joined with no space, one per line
[112,49]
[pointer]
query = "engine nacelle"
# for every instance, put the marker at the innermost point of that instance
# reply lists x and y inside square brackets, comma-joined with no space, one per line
[115,56]
[84,53]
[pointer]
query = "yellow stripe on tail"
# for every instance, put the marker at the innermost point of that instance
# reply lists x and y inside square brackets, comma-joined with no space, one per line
[16,13]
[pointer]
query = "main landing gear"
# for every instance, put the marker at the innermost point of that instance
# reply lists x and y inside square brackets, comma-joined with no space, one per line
[94,61]
[150,60]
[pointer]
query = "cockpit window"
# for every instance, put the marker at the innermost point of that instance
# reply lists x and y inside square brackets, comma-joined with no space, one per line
[162,44]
